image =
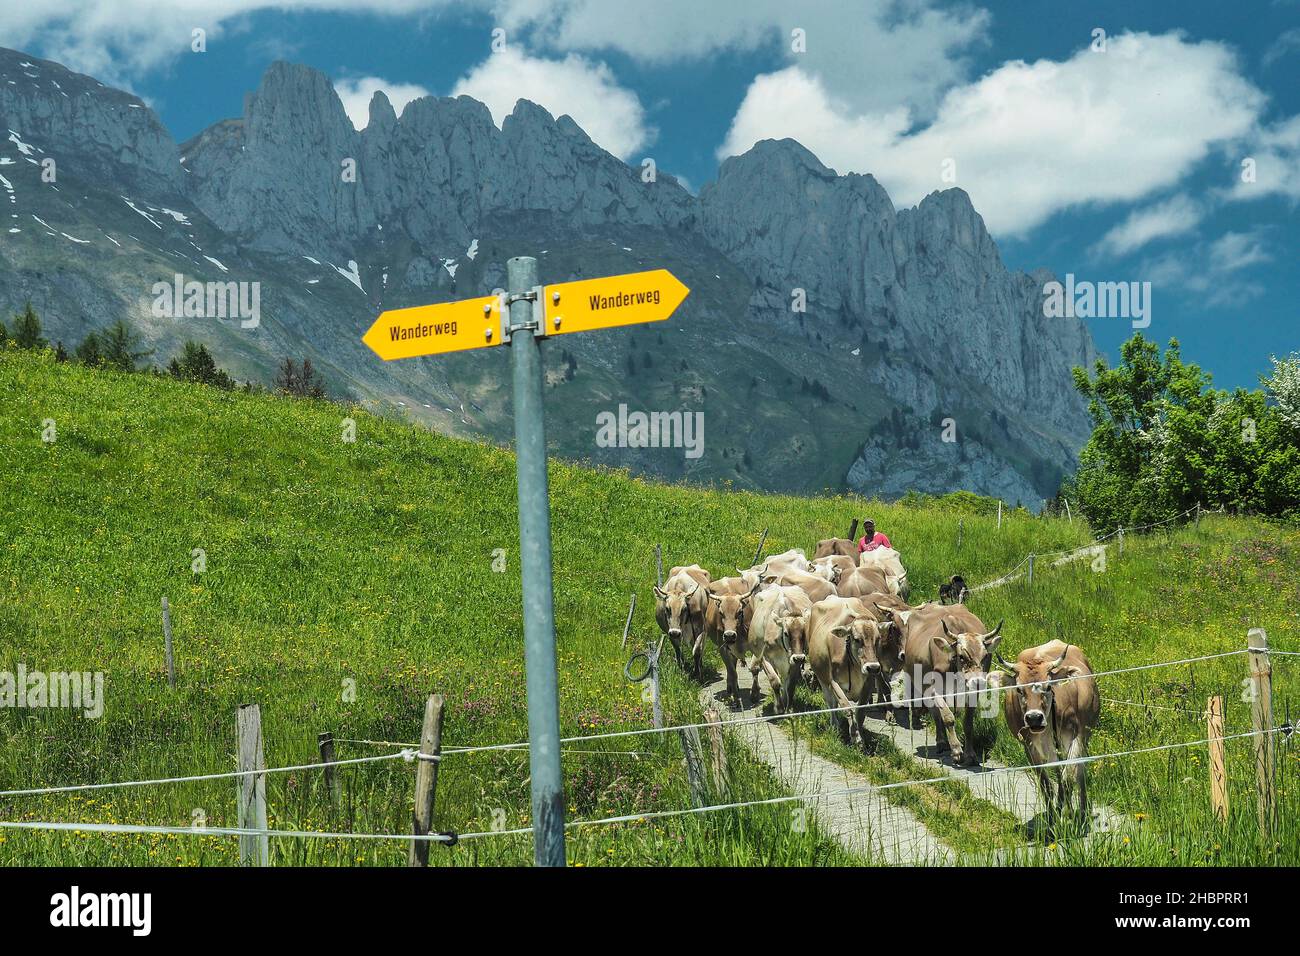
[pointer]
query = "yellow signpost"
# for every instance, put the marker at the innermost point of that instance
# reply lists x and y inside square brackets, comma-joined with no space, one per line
[434,329]
[617,300]
[522,317]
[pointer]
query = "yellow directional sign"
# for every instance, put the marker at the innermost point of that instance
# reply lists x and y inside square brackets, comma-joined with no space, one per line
[617,300]
[433,329]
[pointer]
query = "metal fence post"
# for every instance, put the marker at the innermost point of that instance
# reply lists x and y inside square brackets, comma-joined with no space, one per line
[535,564]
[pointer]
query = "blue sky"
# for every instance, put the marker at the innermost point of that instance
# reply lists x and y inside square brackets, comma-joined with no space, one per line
[1115,158]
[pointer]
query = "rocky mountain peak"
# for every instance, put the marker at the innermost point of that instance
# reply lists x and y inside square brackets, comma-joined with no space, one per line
[87,127]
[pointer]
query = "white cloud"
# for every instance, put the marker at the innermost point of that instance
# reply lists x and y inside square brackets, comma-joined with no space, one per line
[1237,250]
[1206,274]
[1175,216]
[871,54]
[1028,139]
[357,93]
[1275,151]
[117,40]
[587,91]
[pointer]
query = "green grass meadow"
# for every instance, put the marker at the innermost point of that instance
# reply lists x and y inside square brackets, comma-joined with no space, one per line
[344,581]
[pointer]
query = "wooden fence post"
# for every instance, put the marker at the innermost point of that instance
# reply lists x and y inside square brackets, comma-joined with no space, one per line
[167,642]
[656,702]
[961,529]
[1068,514]
[761,541]
[694,769]
[1031,568]
[1218,766]
[1121,539]
[717,753]
[999,514]
[254,850]
[326,743]
[853,530]
[426,779]
[1261,714]
[1198,516]
[627,625]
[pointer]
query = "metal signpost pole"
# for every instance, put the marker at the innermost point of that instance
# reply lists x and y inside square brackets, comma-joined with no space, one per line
[535,563]
[582,306]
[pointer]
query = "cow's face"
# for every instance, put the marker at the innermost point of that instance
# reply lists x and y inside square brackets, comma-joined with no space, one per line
[676,606]
[1037,692]
[731,609]
[970,654]
[794,635]
[862,641]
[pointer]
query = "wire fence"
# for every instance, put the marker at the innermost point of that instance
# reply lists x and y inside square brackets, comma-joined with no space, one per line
[1065,555]
[452,838]
[410,753]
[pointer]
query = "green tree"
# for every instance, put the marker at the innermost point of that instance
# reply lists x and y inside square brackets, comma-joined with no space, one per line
[90,352]
[119,346]
[196,364]
[1164,440]
[300,380]
[27,329]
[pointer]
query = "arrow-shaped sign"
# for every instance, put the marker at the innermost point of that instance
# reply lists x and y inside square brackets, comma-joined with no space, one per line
[433,329]
[617,300]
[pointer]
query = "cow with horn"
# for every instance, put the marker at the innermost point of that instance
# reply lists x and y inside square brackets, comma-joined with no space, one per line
[679,609]
[1051,706]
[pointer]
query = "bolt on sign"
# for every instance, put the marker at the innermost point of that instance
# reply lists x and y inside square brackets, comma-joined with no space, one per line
[521,317]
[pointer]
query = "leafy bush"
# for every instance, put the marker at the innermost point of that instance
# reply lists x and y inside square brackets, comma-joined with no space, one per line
[1164,440]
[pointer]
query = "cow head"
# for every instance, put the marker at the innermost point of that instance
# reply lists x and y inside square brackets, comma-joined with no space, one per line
[862,642]
[970,653]
[732,613]
[676,605]
[892,621]
[794,635]
[1036,689]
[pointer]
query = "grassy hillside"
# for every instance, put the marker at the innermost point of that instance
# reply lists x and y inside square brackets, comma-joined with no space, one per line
[370,564]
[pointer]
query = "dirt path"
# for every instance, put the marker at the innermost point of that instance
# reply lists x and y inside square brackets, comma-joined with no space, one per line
[866,823]
[863,823]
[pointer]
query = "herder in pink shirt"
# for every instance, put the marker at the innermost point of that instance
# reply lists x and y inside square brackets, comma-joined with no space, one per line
[871,538]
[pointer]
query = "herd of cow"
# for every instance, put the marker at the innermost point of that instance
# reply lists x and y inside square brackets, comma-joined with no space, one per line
[844,616]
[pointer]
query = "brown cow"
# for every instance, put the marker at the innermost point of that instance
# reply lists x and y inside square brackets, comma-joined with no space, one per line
[1052,712]
[862,582]
[833,567]
[816,588]
[847,655]
[946,657]
[828,546]
[778,641]
[791,560]
[679,609]
[727,616]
